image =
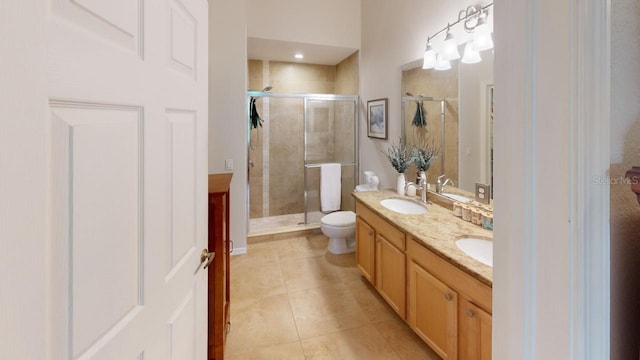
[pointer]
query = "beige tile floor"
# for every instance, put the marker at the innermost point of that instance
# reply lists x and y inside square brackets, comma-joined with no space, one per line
[291,299]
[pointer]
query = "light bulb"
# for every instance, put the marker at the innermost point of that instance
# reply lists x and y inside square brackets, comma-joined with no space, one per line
[429,57]
[450,48]
[470,55]
[482,35]
[442,64]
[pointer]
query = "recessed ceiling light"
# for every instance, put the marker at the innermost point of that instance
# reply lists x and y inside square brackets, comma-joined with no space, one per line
[298,56]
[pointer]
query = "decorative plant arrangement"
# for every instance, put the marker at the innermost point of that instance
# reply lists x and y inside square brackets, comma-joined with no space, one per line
[399,157]
[423,155]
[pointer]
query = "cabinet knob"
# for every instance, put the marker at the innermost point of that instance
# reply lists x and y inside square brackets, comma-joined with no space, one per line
[370,233]
[469,313]
[448,297]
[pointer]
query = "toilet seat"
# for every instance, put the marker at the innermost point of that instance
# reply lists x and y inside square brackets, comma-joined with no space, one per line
[339,219]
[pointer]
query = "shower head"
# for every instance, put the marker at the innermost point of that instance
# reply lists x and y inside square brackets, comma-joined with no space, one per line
[268,88]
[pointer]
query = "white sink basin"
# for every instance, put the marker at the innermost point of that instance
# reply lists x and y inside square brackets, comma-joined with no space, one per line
[456,197]
[479,249]
[403,206]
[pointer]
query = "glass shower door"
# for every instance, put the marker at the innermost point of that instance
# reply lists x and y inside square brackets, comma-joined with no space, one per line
[329,136]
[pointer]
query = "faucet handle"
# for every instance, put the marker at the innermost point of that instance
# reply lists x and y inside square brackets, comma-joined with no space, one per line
[440,177]
[406,186]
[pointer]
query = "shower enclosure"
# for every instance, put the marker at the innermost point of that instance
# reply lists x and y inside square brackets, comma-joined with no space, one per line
[299,133]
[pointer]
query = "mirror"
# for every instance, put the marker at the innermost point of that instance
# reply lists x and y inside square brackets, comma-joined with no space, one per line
[458,108]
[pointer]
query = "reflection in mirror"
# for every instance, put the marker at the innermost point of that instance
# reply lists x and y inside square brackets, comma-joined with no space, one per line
[476,123]
[437,91]
[464,138]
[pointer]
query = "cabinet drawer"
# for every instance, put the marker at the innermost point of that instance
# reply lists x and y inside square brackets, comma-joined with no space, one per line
[381,226]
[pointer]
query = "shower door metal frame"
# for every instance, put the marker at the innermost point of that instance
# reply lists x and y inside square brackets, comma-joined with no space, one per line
[306,97]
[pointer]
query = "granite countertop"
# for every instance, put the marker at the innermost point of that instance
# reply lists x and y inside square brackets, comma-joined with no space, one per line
[437,230]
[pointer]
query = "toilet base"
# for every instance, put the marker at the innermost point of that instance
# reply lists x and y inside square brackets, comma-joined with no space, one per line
[342,245]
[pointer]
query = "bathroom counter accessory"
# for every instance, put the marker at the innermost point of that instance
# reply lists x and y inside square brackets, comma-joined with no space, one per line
[437,230]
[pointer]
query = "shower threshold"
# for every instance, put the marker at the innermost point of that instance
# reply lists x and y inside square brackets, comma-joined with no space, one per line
[272,227]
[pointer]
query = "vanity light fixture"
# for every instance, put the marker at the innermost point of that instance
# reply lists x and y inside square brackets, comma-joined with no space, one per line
[482,34]
[449,47]
[441,63]
[429,57]
[298,56]
[474,19]
[471,56]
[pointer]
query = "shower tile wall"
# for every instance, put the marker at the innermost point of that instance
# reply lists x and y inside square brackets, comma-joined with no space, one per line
[347,80]
[347,75]
[439,84]
[286,151]
[255,80]
[284,193]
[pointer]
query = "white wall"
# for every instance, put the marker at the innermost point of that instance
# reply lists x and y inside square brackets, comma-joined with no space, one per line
[327,22]
[393,33]
[473,122]
[228,105]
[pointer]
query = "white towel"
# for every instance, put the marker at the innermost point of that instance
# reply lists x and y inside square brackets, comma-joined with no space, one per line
[330,191]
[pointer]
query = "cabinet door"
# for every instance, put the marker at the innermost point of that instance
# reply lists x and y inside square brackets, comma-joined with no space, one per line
[390,274]
[365,249]
[433,310]
[475,332]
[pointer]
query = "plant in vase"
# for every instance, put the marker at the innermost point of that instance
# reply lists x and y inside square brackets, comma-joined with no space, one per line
[400,158]
[423,155]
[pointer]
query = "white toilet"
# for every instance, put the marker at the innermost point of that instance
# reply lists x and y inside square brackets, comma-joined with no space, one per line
[340,227]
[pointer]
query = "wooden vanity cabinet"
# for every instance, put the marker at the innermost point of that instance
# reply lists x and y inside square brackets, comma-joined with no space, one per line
[365,249]
[219,274]
[390,274]
[475,332]
[433,311]
[381,258]
[445,306]
[468,311]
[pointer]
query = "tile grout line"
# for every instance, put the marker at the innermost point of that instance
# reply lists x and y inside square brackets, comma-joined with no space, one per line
[295,323]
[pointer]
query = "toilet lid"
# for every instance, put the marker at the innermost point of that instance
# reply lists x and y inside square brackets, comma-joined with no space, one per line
[340,218]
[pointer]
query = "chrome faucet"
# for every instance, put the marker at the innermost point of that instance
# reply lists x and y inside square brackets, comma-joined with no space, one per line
[422,187]
[441,184]
[423,190]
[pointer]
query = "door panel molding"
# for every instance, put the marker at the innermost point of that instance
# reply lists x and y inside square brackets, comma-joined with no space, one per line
[118,21]
[99,169]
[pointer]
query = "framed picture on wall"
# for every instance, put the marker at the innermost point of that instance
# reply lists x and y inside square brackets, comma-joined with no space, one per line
[377,118]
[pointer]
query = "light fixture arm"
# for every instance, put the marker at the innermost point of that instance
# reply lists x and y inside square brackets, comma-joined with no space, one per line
[470,17]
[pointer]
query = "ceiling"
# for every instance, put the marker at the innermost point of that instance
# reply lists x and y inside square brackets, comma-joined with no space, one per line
[276,50]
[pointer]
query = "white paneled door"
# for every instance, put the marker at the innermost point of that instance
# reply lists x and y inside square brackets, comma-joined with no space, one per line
[117,135]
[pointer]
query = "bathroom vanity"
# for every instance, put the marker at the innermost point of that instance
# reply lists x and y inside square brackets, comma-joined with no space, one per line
[443,294]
